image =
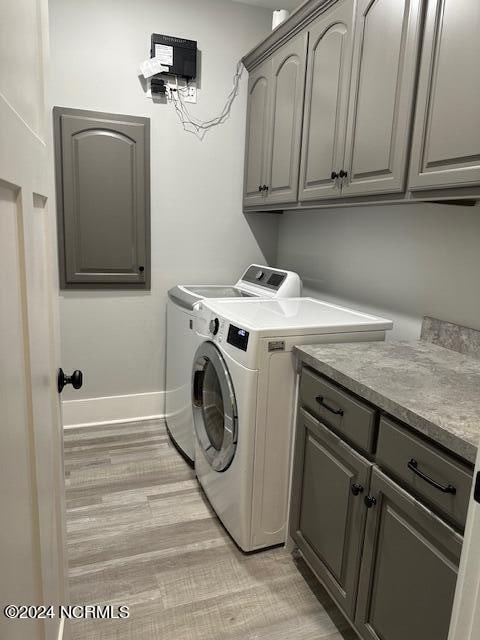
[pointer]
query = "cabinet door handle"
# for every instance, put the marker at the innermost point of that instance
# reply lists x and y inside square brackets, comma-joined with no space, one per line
[448,488]
[321,402]
[370,501]
[357,489]
[334,175]
[343,174]
[260,188]
[265,187]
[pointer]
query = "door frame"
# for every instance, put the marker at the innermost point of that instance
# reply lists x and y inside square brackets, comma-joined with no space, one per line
[465,623]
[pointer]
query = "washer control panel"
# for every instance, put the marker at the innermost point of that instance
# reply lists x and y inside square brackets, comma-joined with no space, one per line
[223,331]
[238,337]
[214,326]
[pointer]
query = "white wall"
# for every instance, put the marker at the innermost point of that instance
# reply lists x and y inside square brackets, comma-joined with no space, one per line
[400,261]
[198,230]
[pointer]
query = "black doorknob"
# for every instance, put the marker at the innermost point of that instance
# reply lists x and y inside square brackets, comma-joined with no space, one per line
[370,501]
[343,174]
[334,175]
[76,380]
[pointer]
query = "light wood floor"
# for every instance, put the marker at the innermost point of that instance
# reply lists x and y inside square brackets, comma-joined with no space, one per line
[141,533]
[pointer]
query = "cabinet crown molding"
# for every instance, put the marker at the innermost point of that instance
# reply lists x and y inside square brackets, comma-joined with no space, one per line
[305,13]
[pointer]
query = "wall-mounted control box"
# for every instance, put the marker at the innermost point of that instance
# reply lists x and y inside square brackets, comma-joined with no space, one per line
[178,54]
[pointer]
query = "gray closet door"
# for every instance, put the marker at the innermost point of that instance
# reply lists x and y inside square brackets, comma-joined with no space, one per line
[287,87]
[446,140]
[387,35]
[328,513]
[102,164]
[409,568]
[258,122]
[326,101]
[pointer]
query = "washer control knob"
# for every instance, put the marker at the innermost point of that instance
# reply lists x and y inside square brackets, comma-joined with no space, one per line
[259,274]
[214,326]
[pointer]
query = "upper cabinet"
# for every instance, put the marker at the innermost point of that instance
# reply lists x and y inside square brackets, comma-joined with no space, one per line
[326,102]
[274,123]
[257,121]
[366,151]
[387,34]
[286,112]
[357,133]
[446,140]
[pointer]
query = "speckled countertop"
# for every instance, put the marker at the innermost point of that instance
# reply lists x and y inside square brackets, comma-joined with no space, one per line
[434,390]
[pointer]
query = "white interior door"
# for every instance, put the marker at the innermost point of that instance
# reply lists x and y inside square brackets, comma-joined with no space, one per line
[32,558]
[466,609]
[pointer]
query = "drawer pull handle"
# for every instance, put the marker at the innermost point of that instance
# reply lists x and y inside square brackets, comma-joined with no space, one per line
[321,401]
[449,488]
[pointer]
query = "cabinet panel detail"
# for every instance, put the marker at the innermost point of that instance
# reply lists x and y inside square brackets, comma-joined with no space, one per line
[326,98]
[287,113]
[446,143]
[103,196]
[258,88]
[381,100]
[328,513]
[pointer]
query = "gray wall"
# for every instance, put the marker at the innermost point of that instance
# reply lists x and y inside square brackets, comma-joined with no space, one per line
[198,230]
[400,261]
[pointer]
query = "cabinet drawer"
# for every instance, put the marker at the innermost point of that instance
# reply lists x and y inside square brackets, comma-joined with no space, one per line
[337,409]
[432,475]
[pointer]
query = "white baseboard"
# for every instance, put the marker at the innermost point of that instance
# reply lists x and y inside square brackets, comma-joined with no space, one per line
[111,409]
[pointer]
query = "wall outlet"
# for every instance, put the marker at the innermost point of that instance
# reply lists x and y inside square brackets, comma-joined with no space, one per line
[191,94]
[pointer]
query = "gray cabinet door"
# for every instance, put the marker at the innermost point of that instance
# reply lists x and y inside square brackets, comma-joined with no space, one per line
[258,119]
[326,101]
[446,140]
[103,198]
[387,35]
[327,519]
[287,89]
[409,568]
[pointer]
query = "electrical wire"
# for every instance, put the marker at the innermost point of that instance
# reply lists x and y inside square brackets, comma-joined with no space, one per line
[198,127]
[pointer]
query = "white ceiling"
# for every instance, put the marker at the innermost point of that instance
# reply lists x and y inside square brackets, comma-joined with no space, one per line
[273,4]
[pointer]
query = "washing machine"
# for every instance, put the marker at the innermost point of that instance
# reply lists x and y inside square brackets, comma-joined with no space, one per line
[244,393]
[257,281]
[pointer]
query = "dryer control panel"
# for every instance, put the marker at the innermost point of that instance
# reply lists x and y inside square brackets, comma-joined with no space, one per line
[265,277]
[270,283]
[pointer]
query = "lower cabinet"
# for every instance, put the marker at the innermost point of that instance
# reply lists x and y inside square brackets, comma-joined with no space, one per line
[388,561]
[328,512]
[409,568]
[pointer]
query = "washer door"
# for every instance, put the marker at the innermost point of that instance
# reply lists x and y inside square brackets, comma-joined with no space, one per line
[214,407]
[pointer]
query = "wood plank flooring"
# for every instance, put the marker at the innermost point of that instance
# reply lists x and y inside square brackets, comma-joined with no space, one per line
[140,533]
